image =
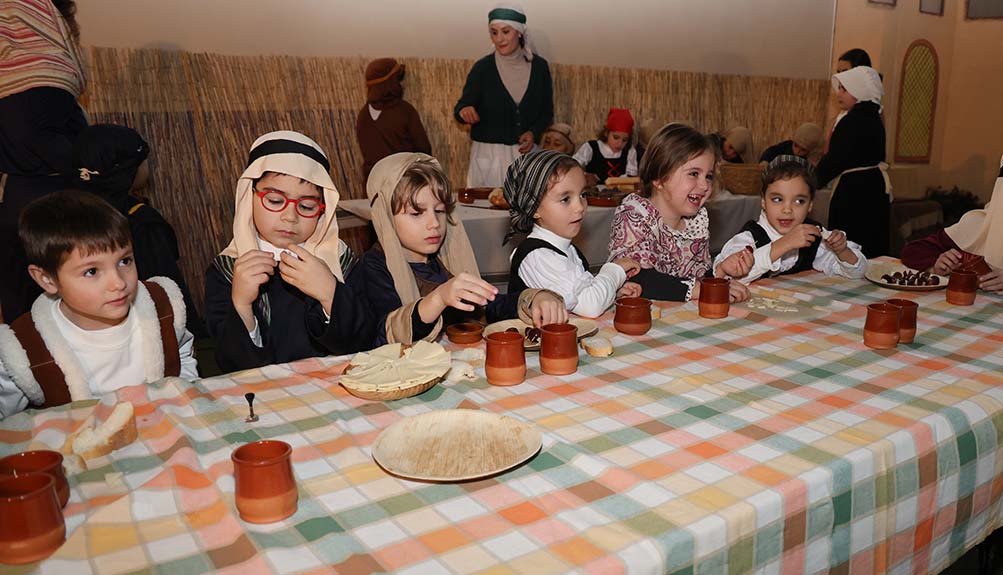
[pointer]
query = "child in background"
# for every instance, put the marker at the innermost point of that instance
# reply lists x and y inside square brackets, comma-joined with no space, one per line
[784,240]
[422,274]
[645,131]
[803,144]
[664,227]
[387,124]
[276,293]
[96,328]
[557,138]
[111,161]
[613,154]
[979,232]
[545,191]
[735,143]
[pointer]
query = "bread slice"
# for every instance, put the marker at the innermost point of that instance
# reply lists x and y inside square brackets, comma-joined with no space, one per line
[656,312]
[117,431]
[597,346]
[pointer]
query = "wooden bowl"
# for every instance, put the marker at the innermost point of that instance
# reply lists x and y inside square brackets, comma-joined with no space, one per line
[465,333]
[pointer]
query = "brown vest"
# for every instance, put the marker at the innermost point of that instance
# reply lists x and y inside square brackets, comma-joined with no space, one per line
[52,380]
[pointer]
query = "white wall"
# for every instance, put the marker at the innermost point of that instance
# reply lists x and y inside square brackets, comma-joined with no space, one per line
[788,38]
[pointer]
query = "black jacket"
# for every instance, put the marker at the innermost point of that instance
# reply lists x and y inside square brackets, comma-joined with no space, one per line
[502,122]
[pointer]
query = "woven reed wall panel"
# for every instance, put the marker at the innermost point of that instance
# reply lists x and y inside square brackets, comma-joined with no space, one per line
[201,112]
[917,104]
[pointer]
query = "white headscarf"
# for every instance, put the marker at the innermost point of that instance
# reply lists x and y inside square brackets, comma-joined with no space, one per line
[293,154]
[981,231]
[862,82]
[513,15]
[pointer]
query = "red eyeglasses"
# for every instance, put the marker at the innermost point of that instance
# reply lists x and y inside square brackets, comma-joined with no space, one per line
[277,202]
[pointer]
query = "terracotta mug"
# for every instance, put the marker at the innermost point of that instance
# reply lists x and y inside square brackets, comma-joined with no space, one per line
[505,359]
[43,461]
[881,328]
[961,287]
[714,302]
[31,519]
[633,315]
[974,263]
[265,485]
[907,321]
[559,349]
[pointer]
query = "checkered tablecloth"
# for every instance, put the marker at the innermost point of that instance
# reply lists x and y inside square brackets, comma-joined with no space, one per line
[748,444]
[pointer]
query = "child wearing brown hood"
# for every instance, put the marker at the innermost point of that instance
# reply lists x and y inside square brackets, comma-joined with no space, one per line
[387,124]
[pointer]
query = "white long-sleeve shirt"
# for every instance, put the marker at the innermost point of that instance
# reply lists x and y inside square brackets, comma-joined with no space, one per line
[584,156]
[109,358]
[825,260]
[584,294]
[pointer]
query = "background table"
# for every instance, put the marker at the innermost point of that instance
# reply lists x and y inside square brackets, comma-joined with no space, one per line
[707,446]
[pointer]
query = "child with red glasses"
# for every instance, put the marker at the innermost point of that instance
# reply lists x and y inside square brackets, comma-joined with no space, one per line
[277,292]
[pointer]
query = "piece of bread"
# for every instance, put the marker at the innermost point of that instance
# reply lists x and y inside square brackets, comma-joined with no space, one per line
[390,371]
[623,181]
[497,198]
[117,431]
[656,312]
[597,346]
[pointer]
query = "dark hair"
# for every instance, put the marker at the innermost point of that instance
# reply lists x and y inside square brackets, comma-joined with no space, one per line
[68,8]
[561,169]
[671,147]
[788,168]
[55,225]
[419,175]
[254,182]
[856,57]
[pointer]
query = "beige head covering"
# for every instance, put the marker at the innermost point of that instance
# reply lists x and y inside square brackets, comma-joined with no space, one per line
[740,138]
[456,254]
[293,154]
[981,231]
[648,129]
[808,136]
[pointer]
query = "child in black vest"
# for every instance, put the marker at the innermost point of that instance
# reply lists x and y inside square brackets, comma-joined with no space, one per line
[784,240]
[613,154]
[545,189]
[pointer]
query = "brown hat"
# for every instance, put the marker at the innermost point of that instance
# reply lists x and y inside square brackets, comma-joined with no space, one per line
[808,136]
[648,129]
[564,130]
[383,78]
[740,138]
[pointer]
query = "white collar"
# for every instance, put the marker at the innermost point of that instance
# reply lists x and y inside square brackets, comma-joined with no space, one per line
[559,242]
[265,246]
[764,222]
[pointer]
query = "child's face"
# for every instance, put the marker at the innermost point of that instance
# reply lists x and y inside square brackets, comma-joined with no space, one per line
[843,65]
[554,141]
[799,150]
[96,290]
[845,99]
[728,151]
[787,203]
[286,227]
[142,176]
[617,140]
[505,38]
[688,188]
[421,232]
[562,208]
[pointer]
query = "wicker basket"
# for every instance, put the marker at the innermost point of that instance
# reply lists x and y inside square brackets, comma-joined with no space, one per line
[389,392]
[742,179]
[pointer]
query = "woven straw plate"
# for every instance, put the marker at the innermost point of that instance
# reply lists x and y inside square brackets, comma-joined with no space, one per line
[455,445]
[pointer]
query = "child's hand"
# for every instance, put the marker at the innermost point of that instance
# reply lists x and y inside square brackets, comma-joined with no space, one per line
[526,142]
[630,266]
[469,115]
[309,274]
[546,309]
[992,281]
[801,236]
[947,262]
[837,243]
[629,289]
[250,271]
[737,265]
[737,291]
[463,292]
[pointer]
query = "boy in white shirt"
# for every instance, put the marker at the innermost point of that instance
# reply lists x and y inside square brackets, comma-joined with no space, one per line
[784,240]
[545,189]
[96,328]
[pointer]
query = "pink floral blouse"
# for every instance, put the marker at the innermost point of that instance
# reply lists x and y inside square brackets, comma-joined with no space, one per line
[638,232]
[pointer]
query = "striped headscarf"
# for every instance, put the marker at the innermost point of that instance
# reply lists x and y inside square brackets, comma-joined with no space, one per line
[525,185]
[37,49]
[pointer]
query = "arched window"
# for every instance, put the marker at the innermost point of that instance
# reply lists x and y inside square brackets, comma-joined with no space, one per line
[917,104]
